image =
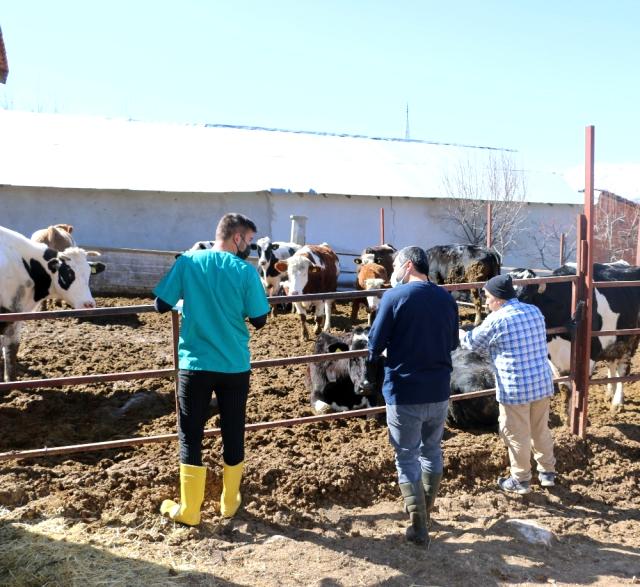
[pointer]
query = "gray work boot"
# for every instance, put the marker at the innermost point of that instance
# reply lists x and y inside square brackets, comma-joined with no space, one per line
[416,507]
[431,484]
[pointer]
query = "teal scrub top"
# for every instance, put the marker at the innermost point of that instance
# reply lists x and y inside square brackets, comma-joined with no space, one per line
[219,290]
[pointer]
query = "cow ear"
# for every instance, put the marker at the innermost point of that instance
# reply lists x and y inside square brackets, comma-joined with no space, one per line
[275,246]
[253,246]
[97,267]
[338,347]
[357,260]
[281,266]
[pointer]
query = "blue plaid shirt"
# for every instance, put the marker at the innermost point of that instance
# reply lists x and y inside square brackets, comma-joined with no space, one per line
[514,336]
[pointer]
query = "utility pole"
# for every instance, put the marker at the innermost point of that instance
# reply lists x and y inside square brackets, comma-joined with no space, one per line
[406,128]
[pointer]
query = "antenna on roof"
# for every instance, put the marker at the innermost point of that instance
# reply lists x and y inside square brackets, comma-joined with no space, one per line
[406,128]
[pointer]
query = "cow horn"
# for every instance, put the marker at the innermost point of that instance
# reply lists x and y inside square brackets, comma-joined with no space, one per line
[93,253]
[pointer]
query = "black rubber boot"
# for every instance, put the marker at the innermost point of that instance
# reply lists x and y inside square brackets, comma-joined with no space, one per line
[431,484]
[416,507]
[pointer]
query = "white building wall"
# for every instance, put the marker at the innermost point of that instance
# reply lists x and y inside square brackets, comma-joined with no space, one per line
[173,221]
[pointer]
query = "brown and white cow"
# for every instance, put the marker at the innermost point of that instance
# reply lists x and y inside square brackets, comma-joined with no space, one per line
[370,276]
[312,269]
[57,237]
[31,272]
[378,255]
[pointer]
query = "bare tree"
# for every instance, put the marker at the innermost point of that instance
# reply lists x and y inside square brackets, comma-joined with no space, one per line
[546,237]
[616,230]
[470,186]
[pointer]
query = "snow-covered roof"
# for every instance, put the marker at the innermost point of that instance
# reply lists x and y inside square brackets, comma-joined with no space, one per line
[56,150]
[622,179]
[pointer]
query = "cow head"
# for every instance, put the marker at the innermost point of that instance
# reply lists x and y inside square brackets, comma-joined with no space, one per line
[298,269]
[264,247]
[69,273]
[365,258]
[365,376]
[374,283]
[526,293]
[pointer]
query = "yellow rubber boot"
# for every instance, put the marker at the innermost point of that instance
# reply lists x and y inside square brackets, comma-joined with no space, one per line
[192,480]
[230,499]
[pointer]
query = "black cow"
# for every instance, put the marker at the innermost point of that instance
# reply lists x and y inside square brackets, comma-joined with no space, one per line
[463,264]
[472,372]
[344,384]
[613,309]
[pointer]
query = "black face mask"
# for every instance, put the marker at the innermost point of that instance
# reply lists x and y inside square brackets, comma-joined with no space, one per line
[244,253]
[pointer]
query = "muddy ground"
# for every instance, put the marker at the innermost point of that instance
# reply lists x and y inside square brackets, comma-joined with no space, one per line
[321,503]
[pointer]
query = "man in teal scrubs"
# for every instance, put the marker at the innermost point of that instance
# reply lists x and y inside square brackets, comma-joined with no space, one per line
[219,290]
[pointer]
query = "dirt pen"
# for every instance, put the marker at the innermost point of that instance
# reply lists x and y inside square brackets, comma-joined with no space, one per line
[321,504]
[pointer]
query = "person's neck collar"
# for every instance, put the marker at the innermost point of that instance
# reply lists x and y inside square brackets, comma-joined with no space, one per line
[417,277]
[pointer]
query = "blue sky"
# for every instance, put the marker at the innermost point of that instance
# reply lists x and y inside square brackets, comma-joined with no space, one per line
[523,75]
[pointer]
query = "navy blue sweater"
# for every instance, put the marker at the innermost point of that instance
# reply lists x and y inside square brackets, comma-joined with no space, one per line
[418,325]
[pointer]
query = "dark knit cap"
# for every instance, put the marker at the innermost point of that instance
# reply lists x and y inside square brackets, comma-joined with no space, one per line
[501,286]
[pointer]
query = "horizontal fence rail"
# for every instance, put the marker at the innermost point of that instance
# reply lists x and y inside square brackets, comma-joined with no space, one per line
[130,442]
[265,363]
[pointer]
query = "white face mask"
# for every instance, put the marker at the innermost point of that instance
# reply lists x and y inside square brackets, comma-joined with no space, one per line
[399,275]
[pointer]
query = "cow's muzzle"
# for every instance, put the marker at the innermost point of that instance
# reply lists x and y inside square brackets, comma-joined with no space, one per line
[365,388]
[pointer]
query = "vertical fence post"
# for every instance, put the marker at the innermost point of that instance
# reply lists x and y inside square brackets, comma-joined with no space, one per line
[578,343]
[175,331]
[382,226]
[489,226]
[562,241]
[585,365]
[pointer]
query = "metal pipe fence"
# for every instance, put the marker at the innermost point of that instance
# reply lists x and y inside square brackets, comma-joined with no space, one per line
[265,363]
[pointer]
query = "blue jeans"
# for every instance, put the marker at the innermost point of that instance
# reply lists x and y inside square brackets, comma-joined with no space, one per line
[415,433]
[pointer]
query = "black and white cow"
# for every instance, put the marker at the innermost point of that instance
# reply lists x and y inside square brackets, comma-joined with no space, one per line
[344,384]
[269,253]
[463,264]
[613,309]
[472,372]
[31,272]
[202,245]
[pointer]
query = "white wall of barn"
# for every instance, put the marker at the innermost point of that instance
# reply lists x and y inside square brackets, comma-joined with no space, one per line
[172,221]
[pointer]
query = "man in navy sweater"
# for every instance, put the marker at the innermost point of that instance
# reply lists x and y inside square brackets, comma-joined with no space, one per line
[417,324]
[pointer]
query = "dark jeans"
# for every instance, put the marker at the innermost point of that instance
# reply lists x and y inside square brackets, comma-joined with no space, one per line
[194,395]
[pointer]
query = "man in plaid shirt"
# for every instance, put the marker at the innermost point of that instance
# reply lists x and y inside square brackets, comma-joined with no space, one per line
[514,336]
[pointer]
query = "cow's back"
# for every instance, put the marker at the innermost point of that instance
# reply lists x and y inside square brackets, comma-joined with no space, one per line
[15,250]
[462,263]
[327,278]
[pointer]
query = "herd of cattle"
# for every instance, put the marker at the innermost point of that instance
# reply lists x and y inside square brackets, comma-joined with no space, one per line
[50,266]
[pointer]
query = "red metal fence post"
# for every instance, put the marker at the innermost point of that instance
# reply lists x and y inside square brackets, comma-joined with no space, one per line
[562,239]
[585,367]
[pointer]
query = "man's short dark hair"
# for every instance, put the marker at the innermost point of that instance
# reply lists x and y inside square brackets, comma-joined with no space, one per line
[416,255]
[233,222]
